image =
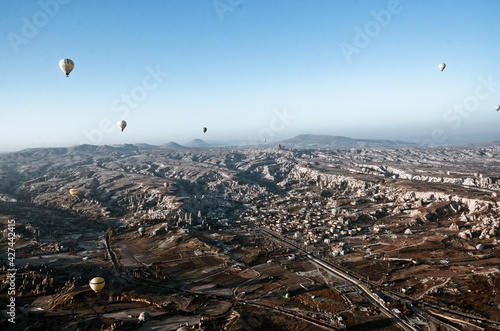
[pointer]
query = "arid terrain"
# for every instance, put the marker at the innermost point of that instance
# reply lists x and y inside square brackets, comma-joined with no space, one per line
[362,238]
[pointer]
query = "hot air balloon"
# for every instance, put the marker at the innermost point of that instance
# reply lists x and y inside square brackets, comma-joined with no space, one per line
[66,66]
[204,130]
[144,316]
[97,284]
[497,108]
[73,191]
[121,124]
[165,184]
[441,66]
[141,230]
[481,247]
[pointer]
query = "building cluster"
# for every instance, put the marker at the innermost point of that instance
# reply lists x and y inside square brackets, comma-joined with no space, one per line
[307,222]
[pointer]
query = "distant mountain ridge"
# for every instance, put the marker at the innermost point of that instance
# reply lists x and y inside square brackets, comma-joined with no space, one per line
[197,143]
[303,141]
[322,141]
[172,145]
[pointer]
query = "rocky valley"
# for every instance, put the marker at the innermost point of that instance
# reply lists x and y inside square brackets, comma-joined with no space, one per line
[281,238]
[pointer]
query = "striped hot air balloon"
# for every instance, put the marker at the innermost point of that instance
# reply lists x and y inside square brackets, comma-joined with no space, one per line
[66,66]
[97,284]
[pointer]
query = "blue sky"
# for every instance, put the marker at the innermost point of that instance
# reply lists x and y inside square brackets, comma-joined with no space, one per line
[249,71]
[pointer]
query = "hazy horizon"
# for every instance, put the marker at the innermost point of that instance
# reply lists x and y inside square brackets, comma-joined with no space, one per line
[249,143]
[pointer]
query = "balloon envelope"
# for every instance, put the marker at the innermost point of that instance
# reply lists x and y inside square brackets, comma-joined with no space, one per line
[441,66]
[121,124]
[97,284]
[144,316]
[497,108]
[204,130]
[73,191]
[66,66]
[481,247]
